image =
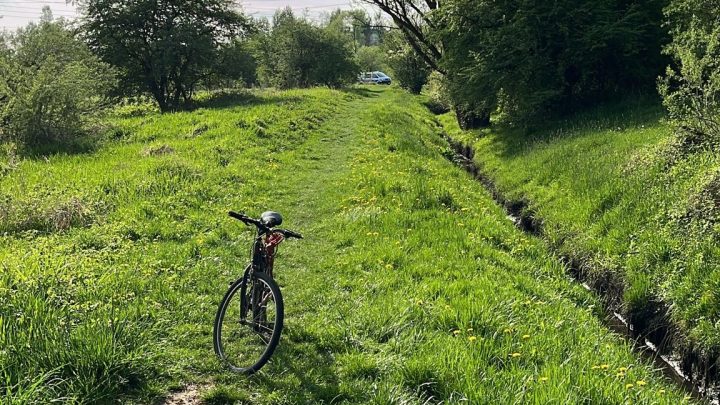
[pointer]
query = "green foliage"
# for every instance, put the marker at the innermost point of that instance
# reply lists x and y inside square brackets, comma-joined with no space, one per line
[359,27]
[533,58]
[691,87]
[164,47]
[371,58]
[295,53]
[407,66]
[409,281]
[51,86]
[436,89]
[235,66]
[611,192]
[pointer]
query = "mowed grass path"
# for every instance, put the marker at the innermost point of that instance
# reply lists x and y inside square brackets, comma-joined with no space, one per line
[411,285]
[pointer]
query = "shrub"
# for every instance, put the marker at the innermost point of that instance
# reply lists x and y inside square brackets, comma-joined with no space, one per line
[691,88]
[296,53]
[163,47]
[537,58]
[409,69]
[52,86]
[436,90]
[371,58]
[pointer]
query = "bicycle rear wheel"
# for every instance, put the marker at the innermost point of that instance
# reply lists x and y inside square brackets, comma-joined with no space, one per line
[248,323]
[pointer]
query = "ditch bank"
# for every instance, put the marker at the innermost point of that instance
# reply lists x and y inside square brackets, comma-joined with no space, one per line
[648,328]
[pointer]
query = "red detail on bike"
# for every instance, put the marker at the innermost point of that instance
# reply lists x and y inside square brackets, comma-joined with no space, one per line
[271,242]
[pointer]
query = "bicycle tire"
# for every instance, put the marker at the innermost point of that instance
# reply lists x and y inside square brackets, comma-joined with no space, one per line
[254,279]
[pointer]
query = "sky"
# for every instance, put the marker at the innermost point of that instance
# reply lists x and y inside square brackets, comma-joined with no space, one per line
[17,13]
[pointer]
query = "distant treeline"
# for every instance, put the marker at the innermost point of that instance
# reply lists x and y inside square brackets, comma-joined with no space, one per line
[57,76]
[515,61]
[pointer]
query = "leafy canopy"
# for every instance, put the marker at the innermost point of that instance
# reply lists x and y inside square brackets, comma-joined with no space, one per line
[296,53]
[165,47]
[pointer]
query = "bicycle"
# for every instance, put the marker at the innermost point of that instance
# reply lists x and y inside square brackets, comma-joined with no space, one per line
[250,317]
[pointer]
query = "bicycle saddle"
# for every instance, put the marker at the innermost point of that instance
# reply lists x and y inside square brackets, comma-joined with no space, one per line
[271,219]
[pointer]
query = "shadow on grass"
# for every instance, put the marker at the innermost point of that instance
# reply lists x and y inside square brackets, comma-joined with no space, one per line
[222,100]
[631,113]
[308,376]
[366,92]
[45,150]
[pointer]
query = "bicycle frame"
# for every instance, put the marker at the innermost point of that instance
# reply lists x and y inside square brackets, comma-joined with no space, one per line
[263,252]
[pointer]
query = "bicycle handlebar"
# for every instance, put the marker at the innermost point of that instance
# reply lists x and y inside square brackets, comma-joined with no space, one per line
[250,221]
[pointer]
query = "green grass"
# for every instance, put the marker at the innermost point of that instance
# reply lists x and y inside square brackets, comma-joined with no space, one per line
[614,190]
[411,284]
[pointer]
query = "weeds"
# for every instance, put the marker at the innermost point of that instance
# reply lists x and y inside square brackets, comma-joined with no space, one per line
[411,285]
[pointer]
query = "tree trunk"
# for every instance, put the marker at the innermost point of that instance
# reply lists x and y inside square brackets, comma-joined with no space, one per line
[472,119]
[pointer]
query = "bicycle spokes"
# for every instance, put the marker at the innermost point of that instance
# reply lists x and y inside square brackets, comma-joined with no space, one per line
[249,323]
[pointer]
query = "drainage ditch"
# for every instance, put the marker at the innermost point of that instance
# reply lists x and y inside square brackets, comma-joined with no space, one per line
[652,335]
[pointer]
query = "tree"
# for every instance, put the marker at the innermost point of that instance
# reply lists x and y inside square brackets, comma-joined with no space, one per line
[51,85]
[415,20]
[165,47]
[407,66]
[235,65]
[691,88]
[371,58]
[535,58]
[419,24]
[531,58]
[296,53]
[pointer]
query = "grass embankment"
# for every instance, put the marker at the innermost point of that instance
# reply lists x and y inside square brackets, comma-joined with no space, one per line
[410,285]
[616,191]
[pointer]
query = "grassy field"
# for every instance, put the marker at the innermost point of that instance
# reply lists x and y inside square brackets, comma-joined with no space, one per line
[411,285]
[616,190]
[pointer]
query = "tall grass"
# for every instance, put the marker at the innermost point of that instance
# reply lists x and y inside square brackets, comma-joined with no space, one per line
[616,190]
[411,285]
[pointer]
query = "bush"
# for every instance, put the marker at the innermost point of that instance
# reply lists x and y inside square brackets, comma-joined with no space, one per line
[436,90]
[296,53]
[691,88]
[408,68]
[371,58]
[536,58]
[52,86]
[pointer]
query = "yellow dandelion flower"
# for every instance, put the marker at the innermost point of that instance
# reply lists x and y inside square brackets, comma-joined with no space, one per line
[516,354]
[595,367]
[661,392]
[389,266]
[628,386]
[605,366]
[526,336]
[622,369]
[640,383]
[507,330]
[456,332]
[472,338]
[543,379]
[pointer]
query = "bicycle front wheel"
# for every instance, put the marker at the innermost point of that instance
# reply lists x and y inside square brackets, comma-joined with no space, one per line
[248,323]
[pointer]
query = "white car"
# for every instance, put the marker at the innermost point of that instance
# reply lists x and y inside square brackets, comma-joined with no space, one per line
[374,78]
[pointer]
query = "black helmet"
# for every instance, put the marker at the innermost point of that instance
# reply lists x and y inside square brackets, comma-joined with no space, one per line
[271,219]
